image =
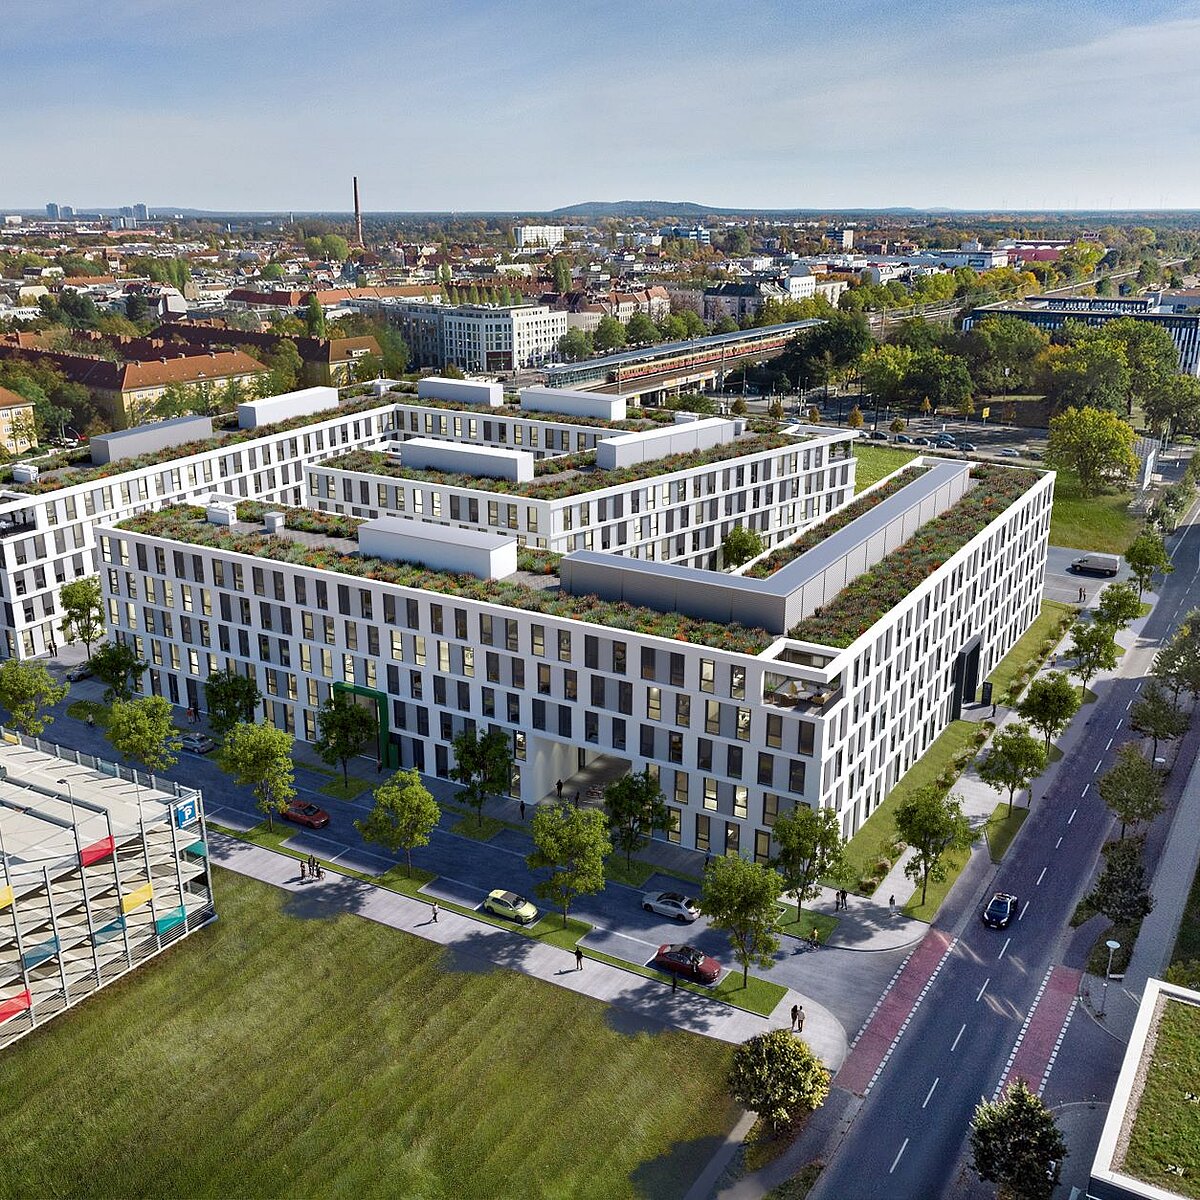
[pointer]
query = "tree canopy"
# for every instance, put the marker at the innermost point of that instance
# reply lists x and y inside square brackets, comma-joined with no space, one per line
[27,691]
[742,898]
[1096,445]
[144,731]
[1015,1143]
[776,1075]
[571,844]
[635,807]
[933,825]
[403,816]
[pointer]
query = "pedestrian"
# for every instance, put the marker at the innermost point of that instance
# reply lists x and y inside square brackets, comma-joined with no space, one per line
[53,649]
[558,789]
[320,872]
[993,708]
[814,938]
[303,870]
[522,810]
[576,797]
[795,1016]
[891,906]
[578,959]
[433,912]
[800,1019]
[707,859]
[845,897]
[674,982]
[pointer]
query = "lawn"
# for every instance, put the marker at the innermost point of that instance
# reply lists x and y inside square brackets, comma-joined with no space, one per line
[874,462]
[308,1053]
[82,709]
[873,842]
[1002,828]
[1033,647]
[350,789]
[1103,523]
[953,863]
[1166,1129]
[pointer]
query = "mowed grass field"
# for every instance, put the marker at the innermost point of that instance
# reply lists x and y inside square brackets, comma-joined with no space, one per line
[875,461]
[1102,523]
[293,1051]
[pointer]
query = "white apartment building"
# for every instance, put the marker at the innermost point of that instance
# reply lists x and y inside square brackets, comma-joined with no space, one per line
[539,237]
[819,684]
[478,338]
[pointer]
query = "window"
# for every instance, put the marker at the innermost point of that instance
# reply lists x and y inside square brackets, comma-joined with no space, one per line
[618,658]
[710,793]
[543,679]
[733,837]
[703,831]
[807,737]
[649,663]
[708,674]
[675,747]
[674,824]
[766,768]
[712,716]
[796,776]
[770,808]
[683,710]
[538,635]
[774,730]
[737,683]
[743,725]
[564,645]
[762,846]
[654,703]
[739,800]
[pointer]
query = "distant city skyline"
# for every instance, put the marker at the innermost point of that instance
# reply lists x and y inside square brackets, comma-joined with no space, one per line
[492,107]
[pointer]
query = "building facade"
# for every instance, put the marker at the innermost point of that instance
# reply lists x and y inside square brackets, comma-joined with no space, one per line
[539,237]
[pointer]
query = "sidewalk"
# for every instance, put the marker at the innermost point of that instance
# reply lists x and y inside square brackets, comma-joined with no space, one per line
[643,1003]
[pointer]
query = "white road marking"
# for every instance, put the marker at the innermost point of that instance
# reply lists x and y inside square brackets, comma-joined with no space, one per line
[1072,816]
[956,1040]
[929,1095]
[1004,947]
[1099,764]
[1041,877]
[1024,910]
[1120,722]
[1058,843]
[1129,706]
[1085,790]
[1109,746]
[1138,687]
[899,1152]
[983,989]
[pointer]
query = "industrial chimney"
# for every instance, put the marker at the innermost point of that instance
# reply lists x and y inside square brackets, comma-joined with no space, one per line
[357,213]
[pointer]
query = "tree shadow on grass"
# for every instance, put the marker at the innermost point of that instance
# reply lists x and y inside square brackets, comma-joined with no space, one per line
[673,1173]
[321,899]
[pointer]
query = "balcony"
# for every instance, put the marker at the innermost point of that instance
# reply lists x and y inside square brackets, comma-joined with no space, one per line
[783,691]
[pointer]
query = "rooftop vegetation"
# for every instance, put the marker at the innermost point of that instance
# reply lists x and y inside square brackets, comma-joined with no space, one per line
[582,480]
[187,524]
[76,466]
[864,600]
[639,418]
[839,519]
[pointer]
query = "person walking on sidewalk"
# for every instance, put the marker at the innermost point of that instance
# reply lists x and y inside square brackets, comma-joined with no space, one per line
[891,906]
[578,959]
[433,912]
[558,789]
[522,810]
[800,1018]
[795,1016]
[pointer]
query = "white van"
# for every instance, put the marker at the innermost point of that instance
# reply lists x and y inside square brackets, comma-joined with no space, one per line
[1097,564]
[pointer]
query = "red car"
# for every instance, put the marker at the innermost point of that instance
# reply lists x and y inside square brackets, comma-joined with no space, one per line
[304,813]
[688,962]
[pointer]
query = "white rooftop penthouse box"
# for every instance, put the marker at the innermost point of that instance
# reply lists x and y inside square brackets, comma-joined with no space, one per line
[461,391]
[284,407]
[627,449]
[573,403]
[429,454]
[471,552]
[148,439]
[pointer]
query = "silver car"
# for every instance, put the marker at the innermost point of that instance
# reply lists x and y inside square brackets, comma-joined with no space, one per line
[675,905]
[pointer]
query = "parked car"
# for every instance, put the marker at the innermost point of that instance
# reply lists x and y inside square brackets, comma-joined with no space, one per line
[1008,452]
[967,447]
[1000,910]
[877,435]
[675,905]
[197,743]
[510,905]
[79,673]
[921,441]
[302,812]
[1096,564]
[688,962]
[903,437]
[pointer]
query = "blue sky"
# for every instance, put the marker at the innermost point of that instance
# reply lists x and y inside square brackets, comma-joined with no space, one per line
[531,104]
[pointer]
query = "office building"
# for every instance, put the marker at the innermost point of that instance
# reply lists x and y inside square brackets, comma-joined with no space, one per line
[99,872]
[816,675]
[52,211]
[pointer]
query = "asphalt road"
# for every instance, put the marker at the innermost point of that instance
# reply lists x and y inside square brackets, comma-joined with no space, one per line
[908,1138]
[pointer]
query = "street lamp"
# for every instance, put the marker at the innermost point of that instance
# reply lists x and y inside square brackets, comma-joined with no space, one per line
[1113,947]
[70,796]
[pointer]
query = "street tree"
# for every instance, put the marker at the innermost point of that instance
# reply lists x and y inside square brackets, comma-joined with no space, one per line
[402,817]
[572,844]
[609,334]
[739,546]
[118,667]
[854,419]
[1147,556]
[483,765]
[776,1075]
[1015,760]
[1016,1144]
[144,731]
[933,825]
[1171,663]
[635,807]
[1094,650]
[641,329]
[27,692]
[1132,788]
[1096,445]
[1155,716]
[83,611]
[1122,893]
[1118,605]
[230,698]
[343,730]
[1049,704]
[811,847]
[260,758]
[1173,406]
[1091,373]
[742,898]
[575,344]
